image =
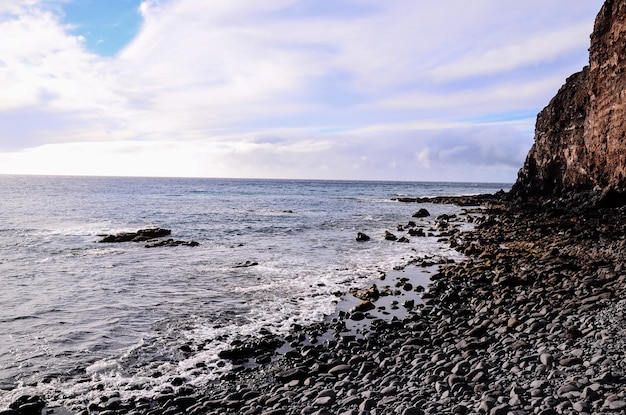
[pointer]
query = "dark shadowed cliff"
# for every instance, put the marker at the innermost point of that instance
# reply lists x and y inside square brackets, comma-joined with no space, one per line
[580,137]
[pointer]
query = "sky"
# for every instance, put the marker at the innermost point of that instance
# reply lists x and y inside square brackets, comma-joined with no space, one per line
[419,90]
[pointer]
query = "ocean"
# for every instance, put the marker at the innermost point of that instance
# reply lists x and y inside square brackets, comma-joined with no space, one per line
[79,318]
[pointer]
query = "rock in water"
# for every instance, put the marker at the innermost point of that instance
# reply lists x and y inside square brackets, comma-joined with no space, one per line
[141,235]
[579,137]
[422,213]
[361,237]
[390,236]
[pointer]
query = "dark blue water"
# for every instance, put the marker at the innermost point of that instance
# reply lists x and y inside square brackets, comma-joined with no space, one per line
[77,315]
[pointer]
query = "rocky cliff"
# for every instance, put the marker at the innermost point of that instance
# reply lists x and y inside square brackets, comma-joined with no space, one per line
[580,137]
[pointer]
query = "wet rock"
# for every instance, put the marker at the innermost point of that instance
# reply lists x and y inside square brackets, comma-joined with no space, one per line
[417,233]
[141,235]
[253,347]
[246,264]
[363,307]
[361,237]
[171,242]
[422,213]
[390,236]
[367,294]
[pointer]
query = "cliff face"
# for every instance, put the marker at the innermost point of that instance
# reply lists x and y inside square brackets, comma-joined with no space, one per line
[580,137]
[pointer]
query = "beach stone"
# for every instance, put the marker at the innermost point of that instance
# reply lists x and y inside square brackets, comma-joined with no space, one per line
[538,384]
[617,405]
[568,387]
[364,306]
[357,316]
[546,359]
[28,404]
[327,393]
[502,409]
[299,373]
[486,404]
[570,361]
[275,412]
[581,406]
[389,390]
[339,369]
[367,405]
[30,408]
[324,401]
[412,410]
[113,403]
[350,401]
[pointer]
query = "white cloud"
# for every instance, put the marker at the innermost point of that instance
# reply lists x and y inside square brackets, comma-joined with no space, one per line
[422,157]
[539,48]
[491,154]
[209,82]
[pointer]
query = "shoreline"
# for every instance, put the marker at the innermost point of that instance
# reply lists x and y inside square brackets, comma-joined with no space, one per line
[530,323]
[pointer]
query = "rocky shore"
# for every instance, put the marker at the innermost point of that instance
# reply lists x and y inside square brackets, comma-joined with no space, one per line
[532,322]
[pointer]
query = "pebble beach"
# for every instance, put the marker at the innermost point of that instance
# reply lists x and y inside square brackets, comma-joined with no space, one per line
[530,322]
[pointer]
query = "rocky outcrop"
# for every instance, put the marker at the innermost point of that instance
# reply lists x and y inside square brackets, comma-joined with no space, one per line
[580,137]
[171,242]
[141,235]
[147,235]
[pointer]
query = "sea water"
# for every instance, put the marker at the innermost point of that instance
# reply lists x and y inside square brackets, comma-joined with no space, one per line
[80,318]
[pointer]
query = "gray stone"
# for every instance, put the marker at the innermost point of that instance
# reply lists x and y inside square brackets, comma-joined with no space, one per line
[581,406]
[324,401]
[546,359]
[336,370]
[389,390]
[412,410]
[616,405]
[500,410]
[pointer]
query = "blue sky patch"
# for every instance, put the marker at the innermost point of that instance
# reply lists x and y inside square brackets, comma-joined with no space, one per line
[107,25]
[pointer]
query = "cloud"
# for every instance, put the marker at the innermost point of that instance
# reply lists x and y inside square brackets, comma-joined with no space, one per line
[286,88]
[539,48]
[460,154]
